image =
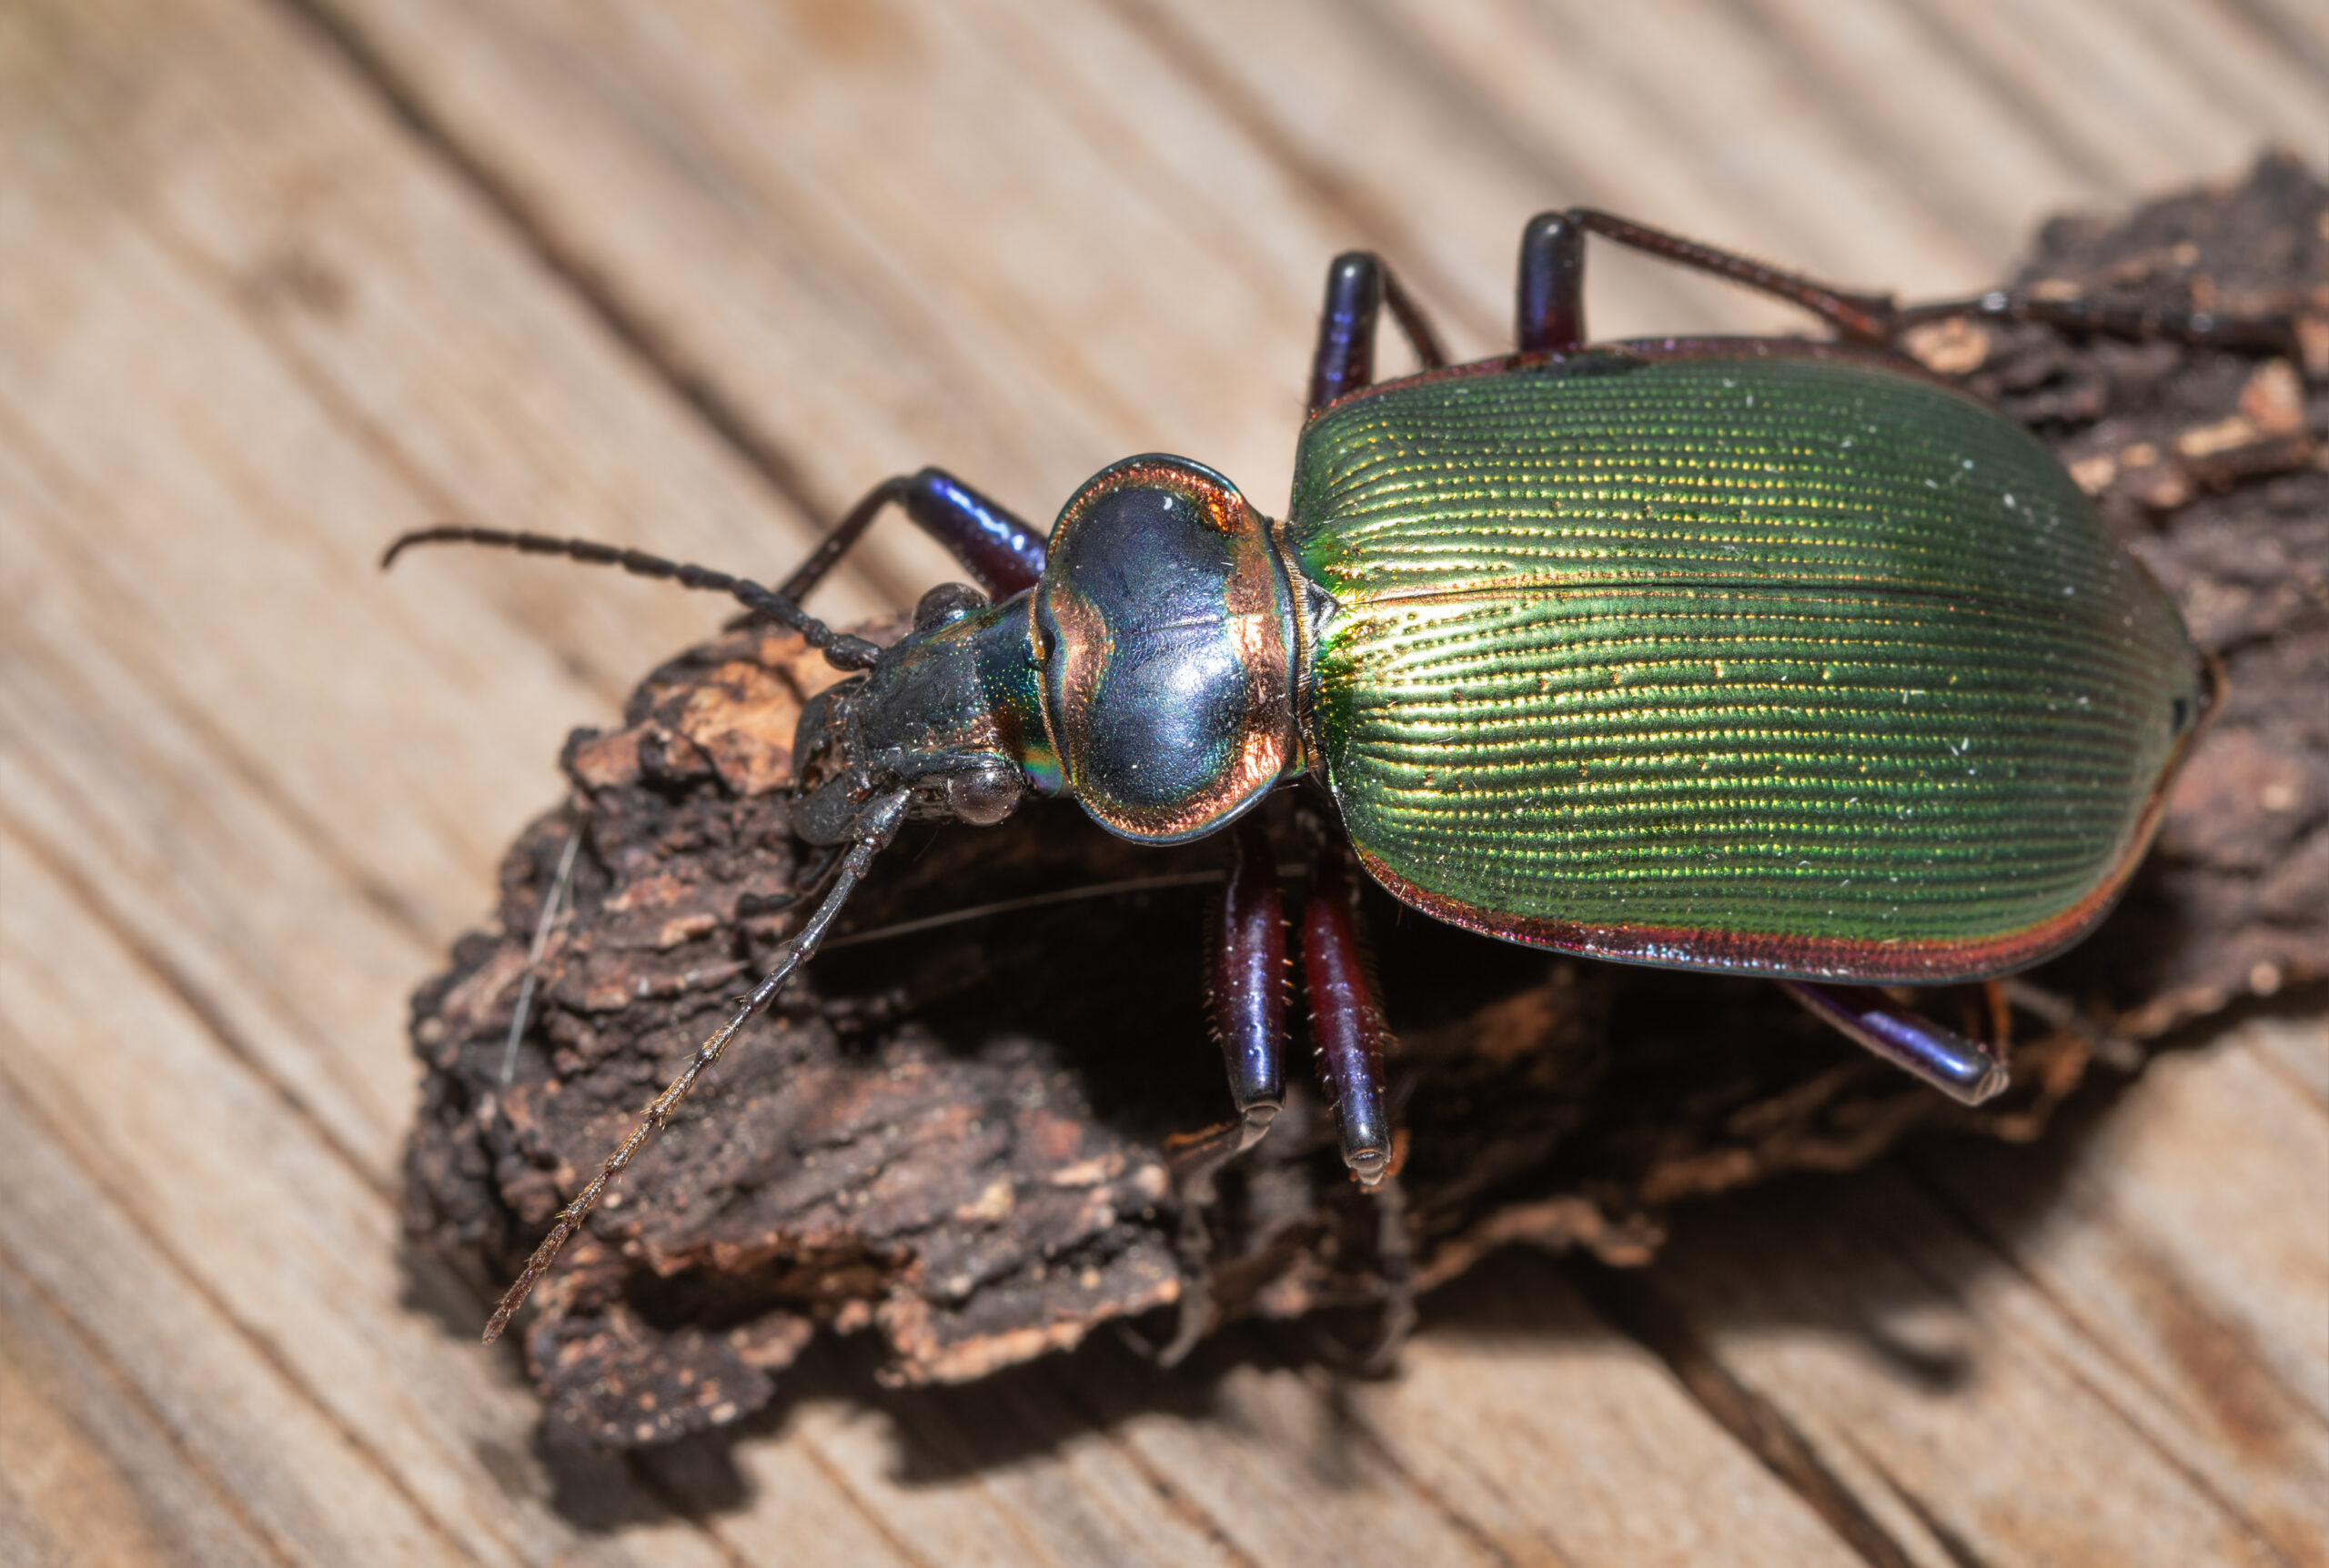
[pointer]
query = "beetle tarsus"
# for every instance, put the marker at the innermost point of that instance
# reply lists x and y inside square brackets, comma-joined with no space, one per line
[1395,1287]
[1395,1256]
[1194,1160]
[2203,328]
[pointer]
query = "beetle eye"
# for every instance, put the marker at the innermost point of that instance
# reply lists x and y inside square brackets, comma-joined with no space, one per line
[985,795]
[947,602]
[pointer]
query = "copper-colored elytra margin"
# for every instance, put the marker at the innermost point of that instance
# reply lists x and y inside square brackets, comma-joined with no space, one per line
[1919,962]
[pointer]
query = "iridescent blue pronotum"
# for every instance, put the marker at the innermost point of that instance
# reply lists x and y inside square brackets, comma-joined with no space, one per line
[1742,654]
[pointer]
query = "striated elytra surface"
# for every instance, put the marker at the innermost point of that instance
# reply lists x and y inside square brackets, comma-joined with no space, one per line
[1787,663]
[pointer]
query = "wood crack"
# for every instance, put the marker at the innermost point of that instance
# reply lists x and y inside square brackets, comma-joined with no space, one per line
[694,386]
[1331,191]
[199,1003]
[377,895]
[118,1378]
[259,1345]
[1331,1387]
[1635,1308]
[2140,1429]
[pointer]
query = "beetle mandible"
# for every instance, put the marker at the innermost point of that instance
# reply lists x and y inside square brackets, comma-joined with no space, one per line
[1757,655]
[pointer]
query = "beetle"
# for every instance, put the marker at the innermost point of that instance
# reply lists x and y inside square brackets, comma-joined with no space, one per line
[1757,655]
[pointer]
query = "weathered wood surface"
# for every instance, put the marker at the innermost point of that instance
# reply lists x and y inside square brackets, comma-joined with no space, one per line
[285,279]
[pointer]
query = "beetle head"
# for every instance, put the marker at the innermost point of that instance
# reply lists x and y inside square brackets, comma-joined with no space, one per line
[949,712]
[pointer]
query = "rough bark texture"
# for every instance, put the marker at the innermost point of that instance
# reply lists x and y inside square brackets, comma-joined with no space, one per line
[958,1135]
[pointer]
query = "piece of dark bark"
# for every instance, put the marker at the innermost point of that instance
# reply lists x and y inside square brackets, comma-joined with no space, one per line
[957,1135]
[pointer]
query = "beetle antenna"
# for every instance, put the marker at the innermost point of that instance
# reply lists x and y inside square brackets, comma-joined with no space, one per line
[841,650]
[877,824]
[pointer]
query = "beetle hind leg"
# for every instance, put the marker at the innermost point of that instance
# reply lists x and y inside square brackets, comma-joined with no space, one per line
[1962,1069]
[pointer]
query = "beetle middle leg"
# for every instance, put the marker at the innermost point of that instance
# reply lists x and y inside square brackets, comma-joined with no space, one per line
[1348,1027]
[1358,285]
[1245,995]
[1345,1012]
[1960,1068]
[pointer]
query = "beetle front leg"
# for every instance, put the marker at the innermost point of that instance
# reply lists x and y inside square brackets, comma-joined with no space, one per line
[1003,554]
[1246,988]
[1358,285]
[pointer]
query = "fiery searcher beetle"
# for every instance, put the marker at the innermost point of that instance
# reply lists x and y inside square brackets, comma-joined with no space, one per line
[1755,655]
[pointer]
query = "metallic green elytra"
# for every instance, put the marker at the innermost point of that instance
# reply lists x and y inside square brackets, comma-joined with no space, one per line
[1789,662]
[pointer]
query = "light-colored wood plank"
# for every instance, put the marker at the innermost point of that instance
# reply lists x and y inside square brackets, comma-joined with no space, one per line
[1569,1443]
[237,197]
[2237,67]
[255,322]
[1291,1482]
[88,1470]
[976,265]
[2182,1265]
[183,700]
[2113,1357]
[240,1273]
[2298,1050]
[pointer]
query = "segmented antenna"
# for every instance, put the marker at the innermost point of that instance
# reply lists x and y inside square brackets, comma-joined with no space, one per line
[877,824]
[841,650]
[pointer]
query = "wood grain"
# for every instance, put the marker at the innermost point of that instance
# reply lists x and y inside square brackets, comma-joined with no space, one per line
[287,277]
